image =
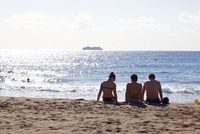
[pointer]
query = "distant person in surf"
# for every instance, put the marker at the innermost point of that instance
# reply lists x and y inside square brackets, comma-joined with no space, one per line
[109,90]
[28,80]
[153,90]
[133,91]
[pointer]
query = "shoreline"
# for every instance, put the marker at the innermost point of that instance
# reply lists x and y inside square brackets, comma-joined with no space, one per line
[40,115]
[173,98]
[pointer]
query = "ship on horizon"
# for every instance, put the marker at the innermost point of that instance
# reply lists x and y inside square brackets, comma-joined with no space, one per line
[91,48]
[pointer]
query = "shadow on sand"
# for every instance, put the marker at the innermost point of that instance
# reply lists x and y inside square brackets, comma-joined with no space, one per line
[137,104]
[158,104]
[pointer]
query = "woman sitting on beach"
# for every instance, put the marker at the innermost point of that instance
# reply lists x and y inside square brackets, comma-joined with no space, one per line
[133,90]
[109,90]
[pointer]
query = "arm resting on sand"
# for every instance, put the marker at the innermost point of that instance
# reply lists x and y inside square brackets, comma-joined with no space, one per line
[115,94]
[141,94]
[143,91]
[99,94]
[160,92]
[126,95]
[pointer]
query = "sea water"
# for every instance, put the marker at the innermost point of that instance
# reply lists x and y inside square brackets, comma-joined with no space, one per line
[78,74]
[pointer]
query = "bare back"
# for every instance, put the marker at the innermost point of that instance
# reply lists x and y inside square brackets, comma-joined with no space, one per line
[107,88]
[133,91]
[153,88]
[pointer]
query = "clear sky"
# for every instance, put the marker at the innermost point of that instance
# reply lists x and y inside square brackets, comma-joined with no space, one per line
[111,24]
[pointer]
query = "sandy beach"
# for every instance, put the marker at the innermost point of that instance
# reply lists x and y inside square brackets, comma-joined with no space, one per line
[65,116]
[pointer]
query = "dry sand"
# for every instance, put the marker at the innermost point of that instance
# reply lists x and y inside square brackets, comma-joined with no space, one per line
[64,116]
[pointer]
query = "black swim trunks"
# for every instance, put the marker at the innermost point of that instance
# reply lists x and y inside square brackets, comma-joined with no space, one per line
[133,101]
[155,101]
[107,99]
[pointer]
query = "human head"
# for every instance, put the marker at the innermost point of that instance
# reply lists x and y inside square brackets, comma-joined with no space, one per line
[152,76]
[112,76]
[134,77]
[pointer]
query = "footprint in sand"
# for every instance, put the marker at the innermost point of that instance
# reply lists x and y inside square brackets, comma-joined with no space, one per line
[53,128]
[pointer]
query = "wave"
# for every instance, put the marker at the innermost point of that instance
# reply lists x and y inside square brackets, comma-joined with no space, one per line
[48,90]
[58,90]
[167,88]
[59,80]
[181,89]
[2,79]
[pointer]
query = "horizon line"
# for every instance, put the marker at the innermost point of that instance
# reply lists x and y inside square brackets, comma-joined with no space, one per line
[61,49]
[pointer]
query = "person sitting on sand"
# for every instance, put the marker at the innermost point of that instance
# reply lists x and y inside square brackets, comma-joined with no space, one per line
[109,90]
[153,90]
[133,90]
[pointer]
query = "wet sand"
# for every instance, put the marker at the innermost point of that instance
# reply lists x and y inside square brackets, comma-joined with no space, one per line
[66,116]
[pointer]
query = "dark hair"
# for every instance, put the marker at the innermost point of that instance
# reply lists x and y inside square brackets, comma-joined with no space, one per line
[152,76]
[112,75]
[134,77]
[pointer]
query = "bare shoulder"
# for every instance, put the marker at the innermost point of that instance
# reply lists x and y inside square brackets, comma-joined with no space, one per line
[114,84]
[128,84]
[147,82]
[140,84]
[103,83]
[157,81]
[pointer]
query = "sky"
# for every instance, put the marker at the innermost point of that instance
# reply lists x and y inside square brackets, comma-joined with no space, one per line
[116,25]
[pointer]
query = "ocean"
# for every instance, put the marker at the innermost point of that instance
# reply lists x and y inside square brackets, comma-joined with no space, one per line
[78,74]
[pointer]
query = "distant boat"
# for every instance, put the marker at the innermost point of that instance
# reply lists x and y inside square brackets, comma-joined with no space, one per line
[91,48]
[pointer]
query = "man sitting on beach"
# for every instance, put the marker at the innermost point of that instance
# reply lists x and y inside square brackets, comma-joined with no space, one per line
[133,90]
[153,90]
[109,90]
